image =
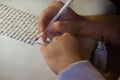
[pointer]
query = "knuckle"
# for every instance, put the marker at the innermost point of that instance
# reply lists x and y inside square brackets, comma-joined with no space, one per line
[57,24]
[58,2]
[43,11]
[41,17]
[43,14]
[56,38]
[66,34]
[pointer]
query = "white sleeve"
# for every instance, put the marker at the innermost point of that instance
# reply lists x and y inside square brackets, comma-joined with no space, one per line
[82,70]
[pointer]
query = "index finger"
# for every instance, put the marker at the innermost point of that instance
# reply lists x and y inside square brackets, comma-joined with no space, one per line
[48,14]
[42,22]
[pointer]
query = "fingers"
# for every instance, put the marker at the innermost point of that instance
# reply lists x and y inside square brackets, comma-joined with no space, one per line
[50,35]
[46,48]
[56,29]
[43,20]
[48,14]
[43,48]
[44,36]
[66,34]
[61,27]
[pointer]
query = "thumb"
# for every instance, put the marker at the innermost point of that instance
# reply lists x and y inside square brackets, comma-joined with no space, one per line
[59,26]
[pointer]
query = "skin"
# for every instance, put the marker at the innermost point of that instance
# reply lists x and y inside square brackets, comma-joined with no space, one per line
[68,50]
[106,26]
[83,30]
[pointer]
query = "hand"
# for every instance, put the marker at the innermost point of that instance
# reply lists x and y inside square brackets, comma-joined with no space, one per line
[67,22]
[65,50]
[90,26]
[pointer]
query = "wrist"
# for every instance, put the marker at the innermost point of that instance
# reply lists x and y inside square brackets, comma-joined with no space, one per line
[66,64]
[106,26]
[91,27]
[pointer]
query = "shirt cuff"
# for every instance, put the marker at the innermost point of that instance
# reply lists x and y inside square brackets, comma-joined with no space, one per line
[82,70]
